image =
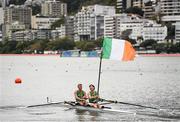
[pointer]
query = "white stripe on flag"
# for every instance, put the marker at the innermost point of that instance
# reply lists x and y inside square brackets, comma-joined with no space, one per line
[117,49]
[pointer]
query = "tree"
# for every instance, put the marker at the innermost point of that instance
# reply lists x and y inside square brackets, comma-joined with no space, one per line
[80,44]
[58,23]
[89,46]
[98,42]
[132,41]
[67,44]
[21,46]
[61,44]
[148,43]
[175,48]
[86,45]
[160,48]
[17,2]
[9,47]
[36,9]
[38,45]
[171,29]
[75,5]
[125,35]
[135,10]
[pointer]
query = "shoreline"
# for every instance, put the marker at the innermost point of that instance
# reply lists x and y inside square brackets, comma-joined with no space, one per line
[145,55]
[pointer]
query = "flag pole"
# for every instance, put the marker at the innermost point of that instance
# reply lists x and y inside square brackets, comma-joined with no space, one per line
[99,74]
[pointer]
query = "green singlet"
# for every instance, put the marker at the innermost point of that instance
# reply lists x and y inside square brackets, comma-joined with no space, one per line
[92,94]
[80,94]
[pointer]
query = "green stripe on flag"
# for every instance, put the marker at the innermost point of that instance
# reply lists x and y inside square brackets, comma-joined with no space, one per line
[107,45]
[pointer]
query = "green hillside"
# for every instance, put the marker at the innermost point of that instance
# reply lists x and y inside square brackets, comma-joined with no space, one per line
[75,5]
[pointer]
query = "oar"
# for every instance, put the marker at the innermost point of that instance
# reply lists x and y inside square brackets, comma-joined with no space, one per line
[112,101]
[54,103]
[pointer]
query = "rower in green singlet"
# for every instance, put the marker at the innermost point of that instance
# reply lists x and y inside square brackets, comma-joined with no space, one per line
[93,97]
[80,95]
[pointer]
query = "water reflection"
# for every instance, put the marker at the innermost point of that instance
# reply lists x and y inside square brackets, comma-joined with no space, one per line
[82,115]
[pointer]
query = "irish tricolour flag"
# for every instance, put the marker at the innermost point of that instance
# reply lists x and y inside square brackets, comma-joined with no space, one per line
[117,49]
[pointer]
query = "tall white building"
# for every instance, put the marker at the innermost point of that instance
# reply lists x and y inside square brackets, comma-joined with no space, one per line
[177,31]
[170,10]
[109,26]
[1,16]
[22,14]
[53,8]
[139,27]
[89,22]
[131,23]
[155,31]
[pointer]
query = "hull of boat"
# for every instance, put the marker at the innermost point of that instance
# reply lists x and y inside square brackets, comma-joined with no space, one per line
[88,108]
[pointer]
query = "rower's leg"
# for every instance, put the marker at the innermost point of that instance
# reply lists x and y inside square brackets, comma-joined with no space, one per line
[99,106]
[95,105]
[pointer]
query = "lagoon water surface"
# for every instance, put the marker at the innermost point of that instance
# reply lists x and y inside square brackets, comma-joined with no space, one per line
[150,81]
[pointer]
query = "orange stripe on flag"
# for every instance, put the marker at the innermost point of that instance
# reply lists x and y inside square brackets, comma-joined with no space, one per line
[129,52]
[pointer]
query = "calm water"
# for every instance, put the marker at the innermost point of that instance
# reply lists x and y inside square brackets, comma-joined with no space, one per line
[150,81]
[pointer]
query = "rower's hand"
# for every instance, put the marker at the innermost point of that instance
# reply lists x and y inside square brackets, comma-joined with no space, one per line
[83,100]
[85,97]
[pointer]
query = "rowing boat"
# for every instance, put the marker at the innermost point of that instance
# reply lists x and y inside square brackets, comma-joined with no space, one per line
[74,105]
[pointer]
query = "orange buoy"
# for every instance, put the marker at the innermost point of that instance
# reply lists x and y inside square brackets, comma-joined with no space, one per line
[18,80]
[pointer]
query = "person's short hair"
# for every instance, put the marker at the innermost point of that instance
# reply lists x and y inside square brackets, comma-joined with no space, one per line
[79,84]
[91,85]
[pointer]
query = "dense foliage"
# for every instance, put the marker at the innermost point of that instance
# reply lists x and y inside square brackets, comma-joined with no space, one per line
[68,44]
[18,47]
[148,43]
[36,9]
[75,5]
[135,10]
[171,29]
[58,23]
[17,2]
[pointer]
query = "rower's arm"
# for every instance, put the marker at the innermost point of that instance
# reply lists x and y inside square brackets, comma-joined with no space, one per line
[75,95]
[85,96]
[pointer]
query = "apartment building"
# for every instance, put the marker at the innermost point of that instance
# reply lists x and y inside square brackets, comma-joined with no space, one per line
[110,26]
[170,10]
[69,24]
[2,16]
[89,22]
[43,22]
[177,31]
[4,3]
[122,5]
[132,23]
[138,3]
[9,29]
[22,14]
[59,32]
[149,10]
[53,8]
[139,27]
[155,31]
